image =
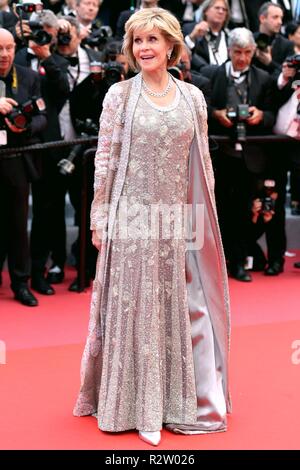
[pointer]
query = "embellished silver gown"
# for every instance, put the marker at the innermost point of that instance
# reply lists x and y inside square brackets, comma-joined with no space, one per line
[159,329]
[148,372]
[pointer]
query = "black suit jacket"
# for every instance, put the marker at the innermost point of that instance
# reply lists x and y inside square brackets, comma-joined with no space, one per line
[203,83]
[54,88]
[250,9]
[261,90]
[123,17]
[8,20]
[86,97]
[174,6]
[200,57]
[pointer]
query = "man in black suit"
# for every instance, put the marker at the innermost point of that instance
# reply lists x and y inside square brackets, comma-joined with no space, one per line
[239,166]
[271,57]
[208,38]
[184,10]
[126,14]
[77,108]
[18,85]
[193,77]
[8,19]
[48,230]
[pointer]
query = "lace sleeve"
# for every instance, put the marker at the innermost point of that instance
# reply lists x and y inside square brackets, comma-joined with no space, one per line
[99,209]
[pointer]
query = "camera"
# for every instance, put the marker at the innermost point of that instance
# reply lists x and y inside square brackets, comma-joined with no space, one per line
[178,71]
[98,37]
[63,39]
[85,128]
[268,203]
[24,10]
[21,115]
[111,72]
[38,35]
[293,62]
[263,41]
[239,115]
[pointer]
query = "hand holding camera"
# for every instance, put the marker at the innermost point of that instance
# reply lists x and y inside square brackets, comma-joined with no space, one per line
[221,115]
[200,30]
[265,205]
[42,52]
[25,31]
[264,56]
[19,116]
[6,105]
[256,116]
[287,72]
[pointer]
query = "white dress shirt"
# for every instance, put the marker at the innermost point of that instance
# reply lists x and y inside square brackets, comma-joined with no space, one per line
[76,75]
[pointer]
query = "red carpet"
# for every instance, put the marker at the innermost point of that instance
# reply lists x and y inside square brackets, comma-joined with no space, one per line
[40,379]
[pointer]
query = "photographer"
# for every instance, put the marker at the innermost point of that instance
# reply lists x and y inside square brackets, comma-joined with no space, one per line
[86,13]
[79,116]
[241,104]
[48,222]
[272,47]
[208,39]
[288,123]
[183,72]
[20,125]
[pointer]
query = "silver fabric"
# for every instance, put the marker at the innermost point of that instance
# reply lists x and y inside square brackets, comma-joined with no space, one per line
[208,289]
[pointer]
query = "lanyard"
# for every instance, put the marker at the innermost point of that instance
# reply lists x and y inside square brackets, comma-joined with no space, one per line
[14,85]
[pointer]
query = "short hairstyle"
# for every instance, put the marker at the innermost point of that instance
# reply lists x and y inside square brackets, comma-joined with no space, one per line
[264,9]
[210,3]
[241,37]
[291,28]
[48,18]
[73,22]
[147,19]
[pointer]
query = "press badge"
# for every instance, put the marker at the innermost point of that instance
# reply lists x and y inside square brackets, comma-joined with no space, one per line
[41,104]
[3,137]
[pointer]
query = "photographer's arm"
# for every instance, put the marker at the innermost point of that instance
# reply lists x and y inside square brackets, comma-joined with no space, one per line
[57,77]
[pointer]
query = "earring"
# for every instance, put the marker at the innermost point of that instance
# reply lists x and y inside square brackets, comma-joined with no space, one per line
[169,54]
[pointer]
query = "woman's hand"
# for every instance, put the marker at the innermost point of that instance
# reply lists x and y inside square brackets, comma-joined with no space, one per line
[96,240]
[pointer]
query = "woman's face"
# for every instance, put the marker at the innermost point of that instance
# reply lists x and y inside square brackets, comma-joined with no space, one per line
[150,50]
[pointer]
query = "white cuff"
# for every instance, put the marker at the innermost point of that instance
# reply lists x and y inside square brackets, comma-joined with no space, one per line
[189,42]
[281,82]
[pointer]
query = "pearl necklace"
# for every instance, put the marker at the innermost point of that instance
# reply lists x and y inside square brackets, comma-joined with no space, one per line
[156,94]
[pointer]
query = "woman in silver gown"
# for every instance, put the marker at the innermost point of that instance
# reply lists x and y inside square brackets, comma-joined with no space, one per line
[157,347]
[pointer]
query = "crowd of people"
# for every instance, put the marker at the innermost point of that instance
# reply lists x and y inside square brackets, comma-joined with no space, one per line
[57,62]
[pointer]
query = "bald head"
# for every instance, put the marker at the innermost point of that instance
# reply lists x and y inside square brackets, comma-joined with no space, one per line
[5,34]
[7,51]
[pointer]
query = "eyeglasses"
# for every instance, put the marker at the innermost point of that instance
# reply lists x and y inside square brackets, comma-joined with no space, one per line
[221,8]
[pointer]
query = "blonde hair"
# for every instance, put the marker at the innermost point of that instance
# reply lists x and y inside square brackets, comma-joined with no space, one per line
[147,19]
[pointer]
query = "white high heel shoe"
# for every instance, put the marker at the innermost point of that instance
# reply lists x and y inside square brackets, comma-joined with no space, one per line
[151,437]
